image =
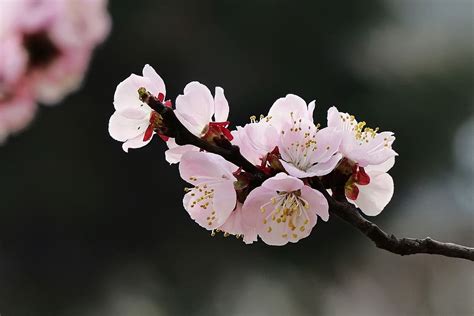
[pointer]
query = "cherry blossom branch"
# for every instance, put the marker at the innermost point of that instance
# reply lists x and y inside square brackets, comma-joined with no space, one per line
[400,246]
[170,126]
[174,128]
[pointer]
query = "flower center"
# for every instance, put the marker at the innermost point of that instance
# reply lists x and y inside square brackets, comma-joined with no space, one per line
[41,50]
[361,133]
[301,149]
[288,209]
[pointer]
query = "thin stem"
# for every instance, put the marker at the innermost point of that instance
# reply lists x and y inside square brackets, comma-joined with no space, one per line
[172,127]
[401,246]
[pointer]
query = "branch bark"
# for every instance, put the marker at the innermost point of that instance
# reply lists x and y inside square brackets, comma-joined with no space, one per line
[346,211]
[401,246]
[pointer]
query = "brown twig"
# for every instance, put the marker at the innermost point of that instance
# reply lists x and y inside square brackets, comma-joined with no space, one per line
[401,246]
[350,214]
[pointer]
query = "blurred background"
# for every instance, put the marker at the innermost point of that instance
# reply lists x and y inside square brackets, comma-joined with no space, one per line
[86,229]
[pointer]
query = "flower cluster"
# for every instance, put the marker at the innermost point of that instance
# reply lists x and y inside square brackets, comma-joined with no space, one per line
[276,200]
[45,48]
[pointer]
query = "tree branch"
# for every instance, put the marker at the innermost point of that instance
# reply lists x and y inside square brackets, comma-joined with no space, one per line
[400,246]
[172,127]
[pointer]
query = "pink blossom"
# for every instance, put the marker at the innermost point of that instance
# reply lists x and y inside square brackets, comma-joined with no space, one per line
[283,209]
[45,48]
[364,146]
[16,112]
[374,196]
[308,152]
[288,109]
[133,121]
[213,198]
[255,140]
[370,155]
[201,114]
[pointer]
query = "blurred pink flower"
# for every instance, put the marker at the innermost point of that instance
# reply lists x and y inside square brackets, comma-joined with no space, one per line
[45,48]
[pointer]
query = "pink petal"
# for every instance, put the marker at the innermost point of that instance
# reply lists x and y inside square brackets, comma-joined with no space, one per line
[122,128]
[373,197]
[317,202]
[195,107]
[205,167]
[175,151]
[136,142]
[221,106]
[126,94]
[157,85]
[281,109]
[283,182]
[328,140]
[235,225]
[324,168]
[212,212]
[383,167]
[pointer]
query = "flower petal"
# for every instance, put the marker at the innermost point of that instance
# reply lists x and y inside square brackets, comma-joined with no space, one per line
[175,152]
[235,225]
[287,109]
[317,202]
[221,106]
[157,85]
[283,182]
[255,140]
[136,142]
[195,107]
[373,197]
[200,167]
[328,140]
[211,205]
[383,167]
[126,94]
[122,128]
[324,168]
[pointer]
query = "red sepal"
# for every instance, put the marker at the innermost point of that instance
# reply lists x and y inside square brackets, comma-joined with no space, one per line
[168,103]
[163,137]
[148,133]
[362,177]
[161,97]
[352,192]
[219,128]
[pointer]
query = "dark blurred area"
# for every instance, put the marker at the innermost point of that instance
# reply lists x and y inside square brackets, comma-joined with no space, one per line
[86,229]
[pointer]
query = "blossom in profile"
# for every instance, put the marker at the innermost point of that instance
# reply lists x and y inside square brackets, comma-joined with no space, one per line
[212,198]
[289,109]
[360,144]
[134,121]
[368,155]
[283,209]
[202,114]
[372,197]
[46,46]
